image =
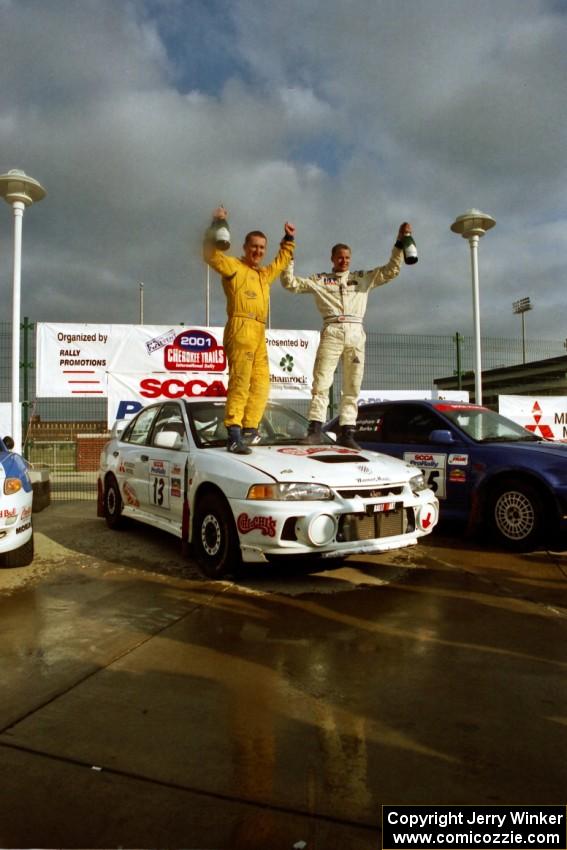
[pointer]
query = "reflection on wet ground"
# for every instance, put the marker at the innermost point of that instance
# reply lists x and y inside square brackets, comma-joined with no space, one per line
[287,707]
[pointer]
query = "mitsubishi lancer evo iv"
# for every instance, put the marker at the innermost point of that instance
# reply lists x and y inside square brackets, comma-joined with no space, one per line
[168,467]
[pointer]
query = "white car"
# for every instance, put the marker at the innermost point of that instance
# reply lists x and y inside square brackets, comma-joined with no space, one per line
[16,503]
[169,467]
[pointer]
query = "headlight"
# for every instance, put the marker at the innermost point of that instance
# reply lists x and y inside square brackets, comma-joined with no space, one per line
[417,483]
[12,485]
[290,492]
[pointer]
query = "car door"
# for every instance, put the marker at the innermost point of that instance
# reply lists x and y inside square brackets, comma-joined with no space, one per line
[405,431]
[166,466]
[134,459]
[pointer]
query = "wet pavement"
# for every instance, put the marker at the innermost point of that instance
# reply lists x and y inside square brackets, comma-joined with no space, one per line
[144,707]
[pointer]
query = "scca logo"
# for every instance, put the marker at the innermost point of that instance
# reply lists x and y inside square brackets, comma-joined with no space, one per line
[177,388]
[420,458]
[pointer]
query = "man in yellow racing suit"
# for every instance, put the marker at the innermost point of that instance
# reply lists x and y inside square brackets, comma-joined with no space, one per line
[341,297]
[247,288]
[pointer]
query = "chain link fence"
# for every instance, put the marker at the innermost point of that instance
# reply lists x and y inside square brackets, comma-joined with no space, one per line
[66,433]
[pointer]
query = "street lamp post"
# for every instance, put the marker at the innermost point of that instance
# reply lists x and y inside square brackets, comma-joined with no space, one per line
[472,225]
[522,306]
[20,191]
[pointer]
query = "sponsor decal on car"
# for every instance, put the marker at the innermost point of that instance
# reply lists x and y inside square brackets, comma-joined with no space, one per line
[458,476]
[23,528]
[9,513]
[459,460]
[308,450]
[433,467]
[130,495]
[176,487]
[26,512]
[159,467]
[265,524]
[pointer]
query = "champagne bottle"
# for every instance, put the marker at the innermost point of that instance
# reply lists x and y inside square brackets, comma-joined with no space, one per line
[410,250]
[219,234]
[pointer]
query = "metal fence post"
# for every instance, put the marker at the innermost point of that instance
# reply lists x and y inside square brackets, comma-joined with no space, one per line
[459,371]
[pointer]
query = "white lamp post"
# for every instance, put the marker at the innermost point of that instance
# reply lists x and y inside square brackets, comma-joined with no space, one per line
[472,225]
[20,191]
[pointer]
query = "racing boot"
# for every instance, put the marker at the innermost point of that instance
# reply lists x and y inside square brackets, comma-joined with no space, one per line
[250,436]
[235,443]
[313,437]
[346,437]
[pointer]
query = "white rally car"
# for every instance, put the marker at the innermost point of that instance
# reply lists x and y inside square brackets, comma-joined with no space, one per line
[16,502]
[169,467]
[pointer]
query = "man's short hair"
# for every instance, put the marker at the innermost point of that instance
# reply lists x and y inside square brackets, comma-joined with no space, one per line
[340,246]
[254,233]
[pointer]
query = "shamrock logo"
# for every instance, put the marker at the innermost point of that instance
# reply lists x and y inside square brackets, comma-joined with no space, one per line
[287,363]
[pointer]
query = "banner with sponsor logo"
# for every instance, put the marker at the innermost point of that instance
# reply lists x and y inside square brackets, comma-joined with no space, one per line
[80,360]
[545,416]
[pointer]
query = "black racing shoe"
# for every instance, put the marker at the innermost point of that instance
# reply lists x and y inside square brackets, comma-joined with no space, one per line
[250,436]
[234,443]
[313,437]
[346,437]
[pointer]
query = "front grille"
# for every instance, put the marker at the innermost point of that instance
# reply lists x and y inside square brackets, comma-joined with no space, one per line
[371,492]
[363,527]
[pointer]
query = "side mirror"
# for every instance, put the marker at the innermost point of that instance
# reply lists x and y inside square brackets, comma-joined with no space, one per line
[441,436]
[168,440]
[118,427]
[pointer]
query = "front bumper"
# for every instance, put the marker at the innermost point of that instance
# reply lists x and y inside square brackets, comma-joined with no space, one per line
[332,528]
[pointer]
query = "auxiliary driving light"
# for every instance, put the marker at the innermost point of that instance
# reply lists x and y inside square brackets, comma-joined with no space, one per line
[317,530]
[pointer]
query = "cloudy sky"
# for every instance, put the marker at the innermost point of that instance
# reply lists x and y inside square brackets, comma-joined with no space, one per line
[140,116]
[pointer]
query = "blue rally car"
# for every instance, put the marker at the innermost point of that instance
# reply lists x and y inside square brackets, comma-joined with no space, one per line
[483,467]
[16,505]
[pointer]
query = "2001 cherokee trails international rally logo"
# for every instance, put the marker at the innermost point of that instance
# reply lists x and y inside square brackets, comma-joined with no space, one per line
[195,351]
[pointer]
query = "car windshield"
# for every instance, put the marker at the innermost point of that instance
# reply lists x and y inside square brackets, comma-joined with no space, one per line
[279,426]
[486,426]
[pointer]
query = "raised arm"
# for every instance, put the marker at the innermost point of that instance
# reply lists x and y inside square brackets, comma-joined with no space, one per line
[383,274]
[212,255]
[284,255]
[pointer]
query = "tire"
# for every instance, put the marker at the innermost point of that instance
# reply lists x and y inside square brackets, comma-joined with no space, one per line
[215,540]
[21,557]
[516,515]
[113,504]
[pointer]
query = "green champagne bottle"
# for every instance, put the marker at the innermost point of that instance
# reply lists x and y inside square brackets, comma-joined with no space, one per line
[219,234]
[410,250]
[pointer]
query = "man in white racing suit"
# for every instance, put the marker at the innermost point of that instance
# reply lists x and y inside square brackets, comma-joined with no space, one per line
[341,297]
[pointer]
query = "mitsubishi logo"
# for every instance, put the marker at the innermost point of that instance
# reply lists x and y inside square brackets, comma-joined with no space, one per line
[538,428]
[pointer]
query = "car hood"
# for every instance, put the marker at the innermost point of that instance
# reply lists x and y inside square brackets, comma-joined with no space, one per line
[327,465]
[547,448]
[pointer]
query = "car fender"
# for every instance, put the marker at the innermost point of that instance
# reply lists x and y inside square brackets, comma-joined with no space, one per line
[501,474]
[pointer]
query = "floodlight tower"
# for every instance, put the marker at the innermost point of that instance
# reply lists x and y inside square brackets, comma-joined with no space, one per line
[522,306]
